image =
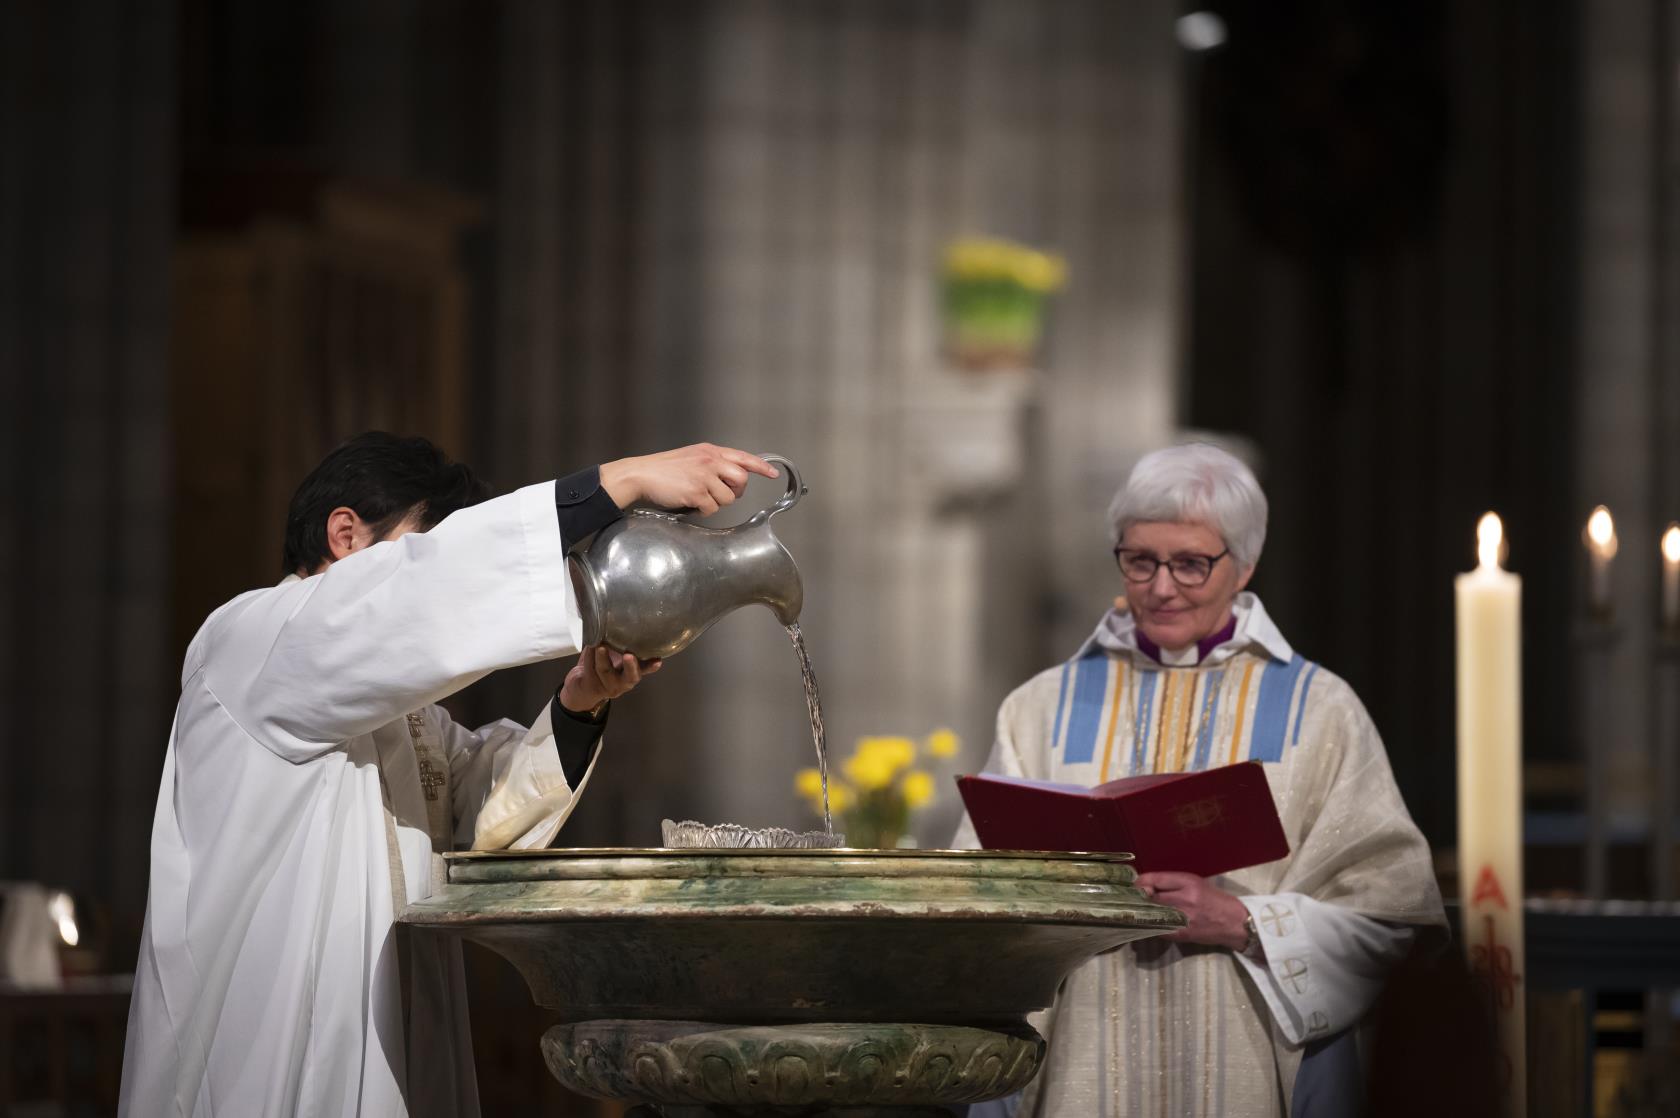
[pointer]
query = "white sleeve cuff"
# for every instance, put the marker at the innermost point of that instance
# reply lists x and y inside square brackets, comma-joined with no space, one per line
[1323,966]
[529,798]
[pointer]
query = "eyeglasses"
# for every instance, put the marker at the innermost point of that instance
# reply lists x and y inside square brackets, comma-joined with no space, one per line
[1186,570]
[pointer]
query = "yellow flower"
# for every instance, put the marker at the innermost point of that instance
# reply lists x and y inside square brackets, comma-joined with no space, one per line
[840,797]
[942,743]
[1037,271]
[978,258]
[868,769]
[988,258]
[808,782]
[918,787]
[897,753]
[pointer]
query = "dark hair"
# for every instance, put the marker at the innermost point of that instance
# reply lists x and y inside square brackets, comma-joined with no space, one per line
[385,478]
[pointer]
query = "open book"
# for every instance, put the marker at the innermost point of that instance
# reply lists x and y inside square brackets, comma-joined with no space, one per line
[1206,823]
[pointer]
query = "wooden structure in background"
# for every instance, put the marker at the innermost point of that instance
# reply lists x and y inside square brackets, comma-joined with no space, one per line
[304,311]
[61,1050]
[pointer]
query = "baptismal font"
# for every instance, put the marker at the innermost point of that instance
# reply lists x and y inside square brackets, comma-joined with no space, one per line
[779,981]
[750,972]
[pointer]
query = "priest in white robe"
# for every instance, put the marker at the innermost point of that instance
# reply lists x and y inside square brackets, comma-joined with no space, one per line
[311,782]
[1254,1008]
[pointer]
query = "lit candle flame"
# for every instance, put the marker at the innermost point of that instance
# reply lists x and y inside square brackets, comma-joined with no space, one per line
[1601,532]
[1671,543]
[62,910]
[1490,537]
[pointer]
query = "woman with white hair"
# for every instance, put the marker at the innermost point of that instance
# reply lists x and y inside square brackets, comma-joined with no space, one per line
[1253,1007]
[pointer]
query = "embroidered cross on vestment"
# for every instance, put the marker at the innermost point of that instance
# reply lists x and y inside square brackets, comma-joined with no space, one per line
[430,779]
[1276,919]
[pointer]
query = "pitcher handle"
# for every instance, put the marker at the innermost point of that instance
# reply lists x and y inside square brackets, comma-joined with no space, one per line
[795,487]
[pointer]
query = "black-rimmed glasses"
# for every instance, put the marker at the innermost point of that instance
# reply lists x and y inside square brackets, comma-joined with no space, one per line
[1186,570]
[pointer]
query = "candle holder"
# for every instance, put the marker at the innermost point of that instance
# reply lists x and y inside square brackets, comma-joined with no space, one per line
[1665,764]
[1665,772]
[1595,643]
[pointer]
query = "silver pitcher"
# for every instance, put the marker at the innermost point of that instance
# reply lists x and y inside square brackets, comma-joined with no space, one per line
[649,583]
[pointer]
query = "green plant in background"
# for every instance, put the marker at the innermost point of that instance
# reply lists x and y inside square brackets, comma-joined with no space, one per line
[878,787]
[994,298]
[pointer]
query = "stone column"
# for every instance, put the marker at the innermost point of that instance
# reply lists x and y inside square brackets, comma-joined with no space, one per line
[1621,390]
[770,187]
[87,211]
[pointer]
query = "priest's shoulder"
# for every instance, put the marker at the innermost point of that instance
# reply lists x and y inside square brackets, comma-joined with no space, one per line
[217,623]
[1327,694]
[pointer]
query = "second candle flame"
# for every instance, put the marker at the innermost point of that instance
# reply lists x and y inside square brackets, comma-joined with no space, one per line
[1490,538]
[1601,532]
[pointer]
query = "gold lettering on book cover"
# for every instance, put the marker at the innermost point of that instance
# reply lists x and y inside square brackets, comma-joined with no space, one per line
[1197,814]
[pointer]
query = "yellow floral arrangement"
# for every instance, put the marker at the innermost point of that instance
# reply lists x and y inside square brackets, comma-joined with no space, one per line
[878,787]
[995,292]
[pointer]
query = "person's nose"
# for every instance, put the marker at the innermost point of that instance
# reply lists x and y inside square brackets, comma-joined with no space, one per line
[1163,585]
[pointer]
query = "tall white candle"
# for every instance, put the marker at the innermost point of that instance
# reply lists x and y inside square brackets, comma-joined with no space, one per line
[1489,602]
[1671,580]
[1601,548]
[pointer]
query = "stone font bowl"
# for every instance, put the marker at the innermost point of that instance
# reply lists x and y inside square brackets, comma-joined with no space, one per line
[754,981]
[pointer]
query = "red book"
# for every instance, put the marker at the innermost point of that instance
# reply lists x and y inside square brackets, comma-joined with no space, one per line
[1206,823]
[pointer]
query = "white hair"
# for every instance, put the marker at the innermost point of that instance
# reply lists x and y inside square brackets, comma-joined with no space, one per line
[1196,482]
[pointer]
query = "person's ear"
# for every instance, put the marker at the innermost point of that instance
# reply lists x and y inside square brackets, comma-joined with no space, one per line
[1242,579]
[343,532]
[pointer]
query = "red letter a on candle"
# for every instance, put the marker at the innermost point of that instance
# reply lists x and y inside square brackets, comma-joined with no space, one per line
[1487,888]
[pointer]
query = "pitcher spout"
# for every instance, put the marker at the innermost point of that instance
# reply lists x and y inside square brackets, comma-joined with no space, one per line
[784,592]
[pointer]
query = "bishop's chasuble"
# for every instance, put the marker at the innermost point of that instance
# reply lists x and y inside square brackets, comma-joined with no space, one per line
[308,787]
[1168,1030]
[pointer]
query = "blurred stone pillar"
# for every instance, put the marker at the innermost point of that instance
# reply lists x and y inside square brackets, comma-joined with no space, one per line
[87,212]
[725,221]
[954,541]
[371,76]
[1625,397]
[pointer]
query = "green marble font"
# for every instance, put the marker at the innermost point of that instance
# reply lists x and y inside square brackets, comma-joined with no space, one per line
[836,982]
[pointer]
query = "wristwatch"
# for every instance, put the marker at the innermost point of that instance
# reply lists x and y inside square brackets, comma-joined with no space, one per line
[1253,936]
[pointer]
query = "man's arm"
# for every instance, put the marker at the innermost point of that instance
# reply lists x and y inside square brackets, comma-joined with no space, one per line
[404,623]
[577,737]
[702,477]
[581,706]
[583,506]
[513,787]
[382,632]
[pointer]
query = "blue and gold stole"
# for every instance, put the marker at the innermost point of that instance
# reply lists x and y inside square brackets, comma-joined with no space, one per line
[1131,719]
